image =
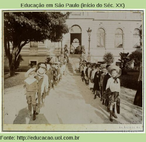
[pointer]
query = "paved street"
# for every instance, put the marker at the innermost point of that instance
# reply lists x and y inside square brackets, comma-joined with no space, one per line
[71,102]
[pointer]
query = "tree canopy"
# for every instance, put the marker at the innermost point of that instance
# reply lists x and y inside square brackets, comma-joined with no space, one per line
[34,26]
[22,27]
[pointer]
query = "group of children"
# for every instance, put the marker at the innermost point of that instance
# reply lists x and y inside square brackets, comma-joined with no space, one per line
[103,81]
[39,80]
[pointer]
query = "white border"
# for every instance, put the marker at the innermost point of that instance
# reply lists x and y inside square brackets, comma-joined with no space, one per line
[144,58]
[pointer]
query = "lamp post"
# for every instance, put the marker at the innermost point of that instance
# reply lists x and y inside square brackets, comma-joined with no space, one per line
[89,34]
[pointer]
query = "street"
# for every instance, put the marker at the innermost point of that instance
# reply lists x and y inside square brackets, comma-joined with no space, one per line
[71,102]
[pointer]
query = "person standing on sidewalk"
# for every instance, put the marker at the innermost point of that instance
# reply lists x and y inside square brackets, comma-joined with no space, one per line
[85,67]
[92,77]
[105,79]
[49,73]
[138,96]
[97,81]
[104,71]
[113,85]
[89,73]
[30,83]
[42,84]
[86,73]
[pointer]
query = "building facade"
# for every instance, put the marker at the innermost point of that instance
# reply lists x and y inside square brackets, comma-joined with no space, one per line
[112,31]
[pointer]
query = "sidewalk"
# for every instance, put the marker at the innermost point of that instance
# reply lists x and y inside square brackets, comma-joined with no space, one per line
[71,102]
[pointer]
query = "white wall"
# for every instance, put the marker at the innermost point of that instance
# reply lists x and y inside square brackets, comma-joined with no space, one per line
[109,21]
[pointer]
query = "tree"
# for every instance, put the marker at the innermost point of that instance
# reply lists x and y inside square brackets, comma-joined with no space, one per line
[137,57]
[124,59]
[22,27]
[108,58]
[17,63]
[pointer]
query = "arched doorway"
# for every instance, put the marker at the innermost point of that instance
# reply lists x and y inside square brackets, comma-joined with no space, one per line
[75,39]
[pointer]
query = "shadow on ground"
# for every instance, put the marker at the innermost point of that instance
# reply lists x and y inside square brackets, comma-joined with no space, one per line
[129,112]
[23,118]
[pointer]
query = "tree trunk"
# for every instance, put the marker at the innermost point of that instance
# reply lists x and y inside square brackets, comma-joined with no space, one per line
[12,65]
[13,61]
[13,57]
[12,70]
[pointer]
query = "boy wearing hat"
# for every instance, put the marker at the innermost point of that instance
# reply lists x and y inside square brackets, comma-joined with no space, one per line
[86,73]
[42,83]
[96,81]
[30,83]
[82,70]
[113,85]
[104,72]
[85,67]
[89,73]
[105,76]
[92,74]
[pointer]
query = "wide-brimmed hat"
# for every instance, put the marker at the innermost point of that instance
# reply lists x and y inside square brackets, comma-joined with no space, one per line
[43,66]
[40,73]
[29,71]
[114,67]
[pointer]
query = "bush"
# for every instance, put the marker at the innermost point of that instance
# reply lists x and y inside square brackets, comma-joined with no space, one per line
[108,58]
[130,80]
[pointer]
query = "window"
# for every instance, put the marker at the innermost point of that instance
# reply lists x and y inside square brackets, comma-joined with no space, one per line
[75,29]
[136,38]
[101,38]
[33,44]
[32,63]
[119,38]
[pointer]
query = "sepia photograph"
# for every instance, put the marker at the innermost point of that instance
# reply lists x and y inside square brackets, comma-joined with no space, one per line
[73,70]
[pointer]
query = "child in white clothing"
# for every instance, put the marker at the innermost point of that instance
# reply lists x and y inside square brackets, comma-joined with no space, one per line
[113,85]
[30,83]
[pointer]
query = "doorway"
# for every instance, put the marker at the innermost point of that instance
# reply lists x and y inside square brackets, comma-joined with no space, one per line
[75,40]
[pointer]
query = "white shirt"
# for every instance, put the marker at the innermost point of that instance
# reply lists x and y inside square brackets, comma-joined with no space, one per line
[45,84]
[48,66]
[114,87]
[89,70]
[85,69]
[93,74]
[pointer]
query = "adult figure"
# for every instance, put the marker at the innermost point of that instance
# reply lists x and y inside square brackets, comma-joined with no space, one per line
[138,96]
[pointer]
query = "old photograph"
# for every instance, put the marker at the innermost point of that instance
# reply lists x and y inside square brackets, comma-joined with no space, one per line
[73,70]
